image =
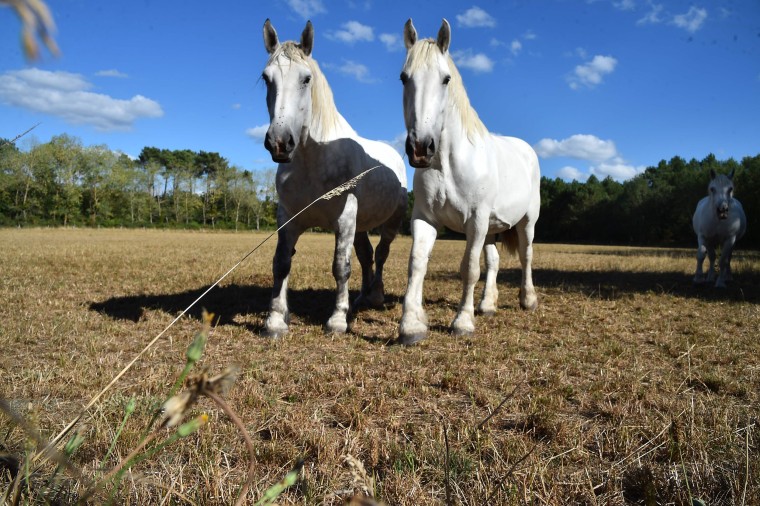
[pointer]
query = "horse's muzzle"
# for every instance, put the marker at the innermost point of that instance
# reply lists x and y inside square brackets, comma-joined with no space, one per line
[419,152]
[722,212]
[281,150]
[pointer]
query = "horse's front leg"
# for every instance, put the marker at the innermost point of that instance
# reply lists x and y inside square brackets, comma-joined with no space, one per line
[413,327]
[725,262]
[345,229]
[469,269]
[710,263]
[699,275]
[277,322]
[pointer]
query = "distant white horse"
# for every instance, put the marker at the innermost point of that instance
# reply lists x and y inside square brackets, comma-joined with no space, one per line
[718,221]
[318,150]
[466,179]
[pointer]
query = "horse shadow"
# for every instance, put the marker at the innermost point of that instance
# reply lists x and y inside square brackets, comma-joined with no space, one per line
[228,303]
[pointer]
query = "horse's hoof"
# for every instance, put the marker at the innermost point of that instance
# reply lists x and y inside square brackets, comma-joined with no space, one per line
[275,333]
[462,332]
[411,339]
[486,312]
[337,326]
[532,306]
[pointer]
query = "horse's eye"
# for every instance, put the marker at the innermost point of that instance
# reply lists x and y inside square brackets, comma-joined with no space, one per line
[404,78]
[446,80]
[731,190]
[307,79]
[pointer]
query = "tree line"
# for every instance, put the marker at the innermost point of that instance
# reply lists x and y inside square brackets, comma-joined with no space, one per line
[63,183]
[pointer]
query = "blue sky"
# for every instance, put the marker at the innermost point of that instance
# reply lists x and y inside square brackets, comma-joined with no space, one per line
[605,87]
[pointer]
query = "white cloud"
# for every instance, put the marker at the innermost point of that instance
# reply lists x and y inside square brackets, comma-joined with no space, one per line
[237,106]
[591,74]
[603,157]
[111,73]
[653,16]
[307,8]
[392,41]
[569,173]
[476,62]
[529,35]
[616,169]
[625,5]
[352,31]
[356,70]
[398,143]
[580,146]
[258,132]
[515,47]
[692,20]
[65,95]
[475,17]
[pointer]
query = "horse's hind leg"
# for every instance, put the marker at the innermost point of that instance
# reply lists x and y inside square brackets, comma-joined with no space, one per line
[363,249]
[490,292]
[388,232]
[525,231]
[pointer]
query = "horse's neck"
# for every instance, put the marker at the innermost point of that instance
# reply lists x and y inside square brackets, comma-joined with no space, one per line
[336,127]
[455,137]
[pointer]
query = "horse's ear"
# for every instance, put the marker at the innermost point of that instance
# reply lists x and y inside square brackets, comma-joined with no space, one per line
[444,36]
[731,174]
[713,175]
[271,42]
[410,34]
[307,38]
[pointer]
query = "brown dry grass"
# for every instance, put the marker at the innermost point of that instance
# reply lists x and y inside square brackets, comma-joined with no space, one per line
[629,386]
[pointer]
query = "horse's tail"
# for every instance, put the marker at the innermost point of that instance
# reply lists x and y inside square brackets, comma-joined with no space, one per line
[509,240]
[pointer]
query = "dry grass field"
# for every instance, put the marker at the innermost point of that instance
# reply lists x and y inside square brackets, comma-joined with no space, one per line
[626,386]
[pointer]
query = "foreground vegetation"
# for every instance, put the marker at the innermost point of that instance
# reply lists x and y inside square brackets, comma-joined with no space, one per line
[626,386]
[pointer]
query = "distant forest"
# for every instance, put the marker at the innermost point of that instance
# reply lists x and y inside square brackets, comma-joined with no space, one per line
[63,183]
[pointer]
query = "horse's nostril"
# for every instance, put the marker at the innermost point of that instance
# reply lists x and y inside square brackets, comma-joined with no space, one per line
[291,142]
[431,147]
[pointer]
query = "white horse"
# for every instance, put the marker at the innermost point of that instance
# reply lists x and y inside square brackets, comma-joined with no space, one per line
[318,150]
[718,221]
[466,179]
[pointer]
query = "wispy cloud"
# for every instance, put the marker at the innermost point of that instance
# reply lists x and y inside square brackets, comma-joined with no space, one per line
[477,62]
[111,73]
[692,20]
[307,8]
[475,17]
[392,41]
[602,154]
[352,31]
[515,47]
[652,17]
[65,95]
[358,71]
[592,73]
[258,132]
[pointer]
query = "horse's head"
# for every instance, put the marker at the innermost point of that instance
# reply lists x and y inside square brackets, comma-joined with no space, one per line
[721,191]
[426,75]
[288,78]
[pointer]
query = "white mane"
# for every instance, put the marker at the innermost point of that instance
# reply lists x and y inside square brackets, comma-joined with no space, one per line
[326,121]
[422,55]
